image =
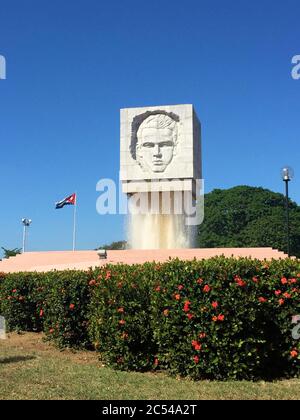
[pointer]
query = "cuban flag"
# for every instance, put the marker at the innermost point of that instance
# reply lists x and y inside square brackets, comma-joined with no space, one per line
[71,200]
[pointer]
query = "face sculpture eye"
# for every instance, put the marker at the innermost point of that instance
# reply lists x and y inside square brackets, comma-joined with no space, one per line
[148,144]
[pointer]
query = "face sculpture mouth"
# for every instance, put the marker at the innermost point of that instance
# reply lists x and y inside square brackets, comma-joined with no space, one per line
[159,166]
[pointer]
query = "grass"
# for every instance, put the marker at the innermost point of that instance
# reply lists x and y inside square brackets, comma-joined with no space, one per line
[33,369]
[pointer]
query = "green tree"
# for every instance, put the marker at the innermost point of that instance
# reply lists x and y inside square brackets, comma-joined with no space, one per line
[114,245]
[11,252]
[246,216]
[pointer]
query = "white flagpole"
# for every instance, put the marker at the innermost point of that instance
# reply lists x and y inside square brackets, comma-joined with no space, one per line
[24,238]
[74,222]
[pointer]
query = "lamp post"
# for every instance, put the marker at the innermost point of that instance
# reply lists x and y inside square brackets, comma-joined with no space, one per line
[287,174]
[26,223]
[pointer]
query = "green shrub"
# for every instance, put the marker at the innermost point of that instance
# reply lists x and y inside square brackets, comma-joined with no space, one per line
[65,311]
[220,318]
[55,302]
[21,298]
[120,326]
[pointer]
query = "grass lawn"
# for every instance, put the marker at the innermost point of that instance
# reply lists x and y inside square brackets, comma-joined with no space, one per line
[32,369]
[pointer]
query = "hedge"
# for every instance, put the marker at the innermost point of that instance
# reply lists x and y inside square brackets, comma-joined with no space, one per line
[219,318]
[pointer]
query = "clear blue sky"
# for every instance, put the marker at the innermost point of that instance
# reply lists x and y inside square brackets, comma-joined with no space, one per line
[71,65]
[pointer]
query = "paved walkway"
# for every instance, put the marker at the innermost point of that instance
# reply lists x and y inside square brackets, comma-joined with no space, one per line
[83,260]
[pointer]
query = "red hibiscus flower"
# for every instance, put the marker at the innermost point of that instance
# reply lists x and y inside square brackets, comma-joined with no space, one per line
[51,331]
[72,306]
[121,310]
[197,346]
[215,318]
[239,281]
[157,289]
[262,300]
[41,312]
[14,291]
[180,287]
[206,288]
[255,279]
[283,280]
[287,295]
[122,322]
[202,335]
[186,306]
[281,301]
[200,281]
[277,292]
[156,361]
[190,316]
[294,353]
[196,359]
[215,305]
[221,317]
[177,296]
[92,282]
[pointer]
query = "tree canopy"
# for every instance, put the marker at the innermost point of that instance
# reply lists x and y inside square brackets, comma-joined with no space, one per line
[114,245]
[246,216]
[10,252]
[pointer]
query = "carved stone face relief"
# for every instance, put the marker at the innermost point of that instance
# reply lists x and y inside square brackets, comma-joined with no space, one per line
[156,142]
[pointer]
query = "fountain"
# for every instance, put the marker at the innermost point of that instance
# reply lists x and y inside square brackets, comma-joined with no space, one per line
[160,166]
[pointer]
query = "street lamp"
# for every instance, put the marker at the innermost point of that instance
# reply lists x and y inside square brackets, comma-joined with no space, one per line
[26,223]
[287,174]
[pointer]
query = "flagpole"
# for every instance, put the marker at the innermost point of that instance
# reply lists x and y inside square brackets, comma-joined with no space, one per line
[74,222]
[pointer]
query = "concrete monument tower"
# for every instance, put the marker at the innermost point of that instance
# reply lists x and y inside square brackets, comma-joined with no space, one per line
[160,162]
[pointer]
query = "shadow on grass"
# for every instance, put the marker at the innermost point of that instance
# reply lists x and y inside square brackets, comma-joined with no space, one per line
[15,359]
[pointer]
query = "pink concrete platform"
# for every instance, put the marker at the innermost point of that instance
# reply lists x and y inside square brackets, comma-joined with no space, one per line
[83,260]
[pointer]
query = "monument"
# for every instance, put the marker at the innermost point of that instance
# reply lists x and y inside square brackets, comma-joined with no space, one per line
[160,170]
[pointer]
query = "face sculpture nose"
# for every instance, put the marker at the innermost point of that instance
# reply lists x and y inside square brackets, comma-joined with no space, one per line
[157,151]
